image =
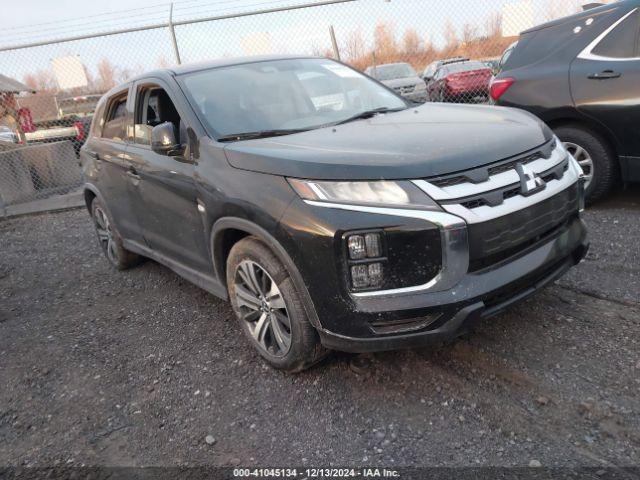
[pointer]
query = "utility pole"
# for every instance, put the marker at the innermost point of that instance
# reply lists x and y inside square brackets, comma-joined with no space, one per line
[172,30]
[336,52]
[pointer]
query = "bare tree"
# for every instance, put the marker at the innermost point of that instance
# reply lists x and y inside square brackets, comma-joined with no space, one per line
[469,34]
[40,81]
[493,25]
[411,42]
[450,36]
[106,74]
[384,42]
[354,46]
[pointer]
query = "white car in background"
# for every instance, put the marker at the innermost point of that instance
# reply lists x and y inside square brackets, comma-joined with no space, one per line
[402,78]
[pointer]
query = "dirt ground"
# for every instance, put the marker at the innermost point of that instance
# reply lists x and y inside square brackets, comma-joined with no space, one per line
[100,367]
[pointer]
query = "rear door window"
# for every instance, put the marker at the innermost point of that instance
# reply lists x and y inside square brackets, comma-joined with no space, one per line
[622,41]
[115,123]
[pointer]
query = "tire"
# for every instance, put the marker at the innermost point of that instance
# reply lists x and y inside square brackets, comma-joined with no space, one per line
[603,167]
[109,239]
[277,326]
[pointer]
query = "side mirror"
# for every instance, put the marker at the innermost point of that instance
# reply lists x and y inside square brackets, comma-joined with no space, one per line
[163,140]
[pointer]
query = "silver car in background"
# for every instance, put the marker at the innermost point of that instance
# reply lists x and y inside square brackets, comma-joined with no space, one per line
[402,78]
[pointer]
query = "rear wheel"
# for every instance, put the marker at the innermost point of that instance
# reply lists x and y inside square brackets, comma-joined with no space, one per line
[109,238]
[269,308]
[598,162]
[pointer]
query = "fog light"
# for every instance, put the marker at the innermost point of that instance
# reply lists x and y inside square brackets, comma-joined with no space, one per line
[367,276]
[360,276]
[373,245]
[375,274]
[357,247]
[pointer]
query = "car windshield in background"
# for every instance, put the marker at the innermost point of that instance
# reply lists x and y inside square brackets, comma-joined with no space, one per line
[465,67]
[391,72]
[283,96]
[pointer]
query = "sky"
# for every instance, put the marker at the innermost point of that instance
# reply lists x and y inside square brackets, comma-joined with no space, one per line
[295,31]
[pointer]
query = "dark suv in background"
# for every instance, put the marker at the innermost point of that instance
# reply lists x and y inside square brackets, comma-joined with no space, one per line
[341,217]
[581,75]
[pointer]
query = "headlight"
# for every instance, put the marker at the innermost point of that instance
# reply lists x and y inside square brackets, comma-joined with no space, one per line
[421,86]
[381,193]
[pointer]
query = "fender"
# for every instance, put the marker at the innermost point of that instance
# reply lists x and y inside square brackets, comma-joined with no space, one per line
[251,228]
[90,187]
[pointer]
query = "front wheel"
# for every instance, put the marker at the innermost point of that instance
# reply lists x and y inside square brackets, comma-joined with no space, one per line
[269,308]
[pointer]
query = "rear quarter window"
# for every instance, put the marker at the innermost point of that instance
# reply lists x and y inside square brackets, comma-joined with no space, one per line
[622,41]
[98,120]
[116,119]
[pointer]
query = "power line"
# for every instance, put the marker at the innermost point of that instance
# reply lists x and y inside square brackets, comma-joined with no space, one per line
[178,5]
[219,16]
[187,12]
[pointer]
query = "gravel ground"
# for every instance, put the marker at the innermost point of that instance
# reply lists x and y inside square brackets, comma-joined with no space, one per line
[99,367]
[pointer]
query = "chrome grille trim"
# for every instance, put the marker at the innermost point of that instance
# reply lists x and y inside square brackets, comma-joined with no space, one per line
[518,202]
[495,182]
[499,195]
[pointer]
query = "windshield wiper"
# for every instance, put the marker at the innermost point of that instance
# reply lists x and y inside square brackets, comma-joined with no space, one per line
[234,137]
[369,114]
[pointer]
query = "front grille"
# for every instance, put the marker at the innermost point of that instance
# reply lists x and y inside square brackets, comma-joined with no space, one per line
[406,89]
[496,240]
[494,198]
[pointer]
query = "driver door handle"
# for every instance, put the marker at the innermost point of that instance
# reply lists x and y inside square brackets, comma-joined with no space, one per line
[605,75]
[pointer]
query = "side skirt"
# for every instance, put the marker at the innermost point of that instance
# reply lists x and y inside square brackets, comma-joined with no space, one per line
[206,282]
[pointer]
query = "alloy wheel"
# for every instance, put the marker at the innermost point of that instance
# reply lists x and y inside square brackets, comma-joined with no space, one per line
[263,309]
[105,234]
[583,158]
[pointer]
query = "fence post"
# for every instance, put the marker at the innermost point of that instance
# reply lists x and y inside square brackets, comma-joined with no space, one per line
[172,30]
[334,43]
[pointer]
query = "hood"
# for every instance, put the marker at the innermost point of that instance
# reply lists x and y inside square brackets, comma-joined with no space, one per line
[426,141]
[402,82]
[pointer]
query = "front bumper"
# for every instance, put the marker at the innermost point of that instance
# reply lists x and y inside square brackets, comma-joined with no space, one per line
[476,297]
[474,258]
[419,96]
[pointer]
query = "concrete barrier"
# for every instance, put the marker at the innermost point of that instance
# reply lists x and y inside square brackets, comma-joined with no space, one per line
[37,172]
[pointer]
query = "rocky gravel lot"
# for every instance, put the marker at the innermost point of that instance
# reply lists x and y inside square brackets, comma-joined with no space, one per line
[99,367]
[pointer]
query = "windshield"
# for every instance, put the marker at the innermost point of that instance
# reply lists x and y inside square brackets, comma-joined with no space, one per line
[296,94]
[391,72]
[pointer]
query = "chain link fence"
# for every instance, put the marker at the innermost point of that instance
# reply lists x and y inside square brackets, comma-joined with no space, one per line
[52,75]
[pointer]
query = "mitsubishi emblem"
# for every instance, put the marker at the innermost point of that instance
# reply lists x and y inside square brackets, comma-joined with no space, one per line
[530,182]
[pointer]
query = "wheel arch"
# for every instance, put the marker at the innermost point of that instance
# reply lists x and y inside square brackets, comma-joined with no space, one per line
[591,126]
[227,231]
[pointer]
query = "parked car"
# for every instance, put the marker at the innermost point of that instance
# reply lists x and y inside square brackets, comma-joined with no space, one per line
[430,70]
[581,75]
[8,136]
[69,119]
[402,78]
[373,226]
[460,82]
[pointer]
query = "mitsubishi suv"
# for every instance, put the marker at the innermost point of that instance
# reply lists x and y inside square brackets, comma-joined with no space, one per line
[342,217]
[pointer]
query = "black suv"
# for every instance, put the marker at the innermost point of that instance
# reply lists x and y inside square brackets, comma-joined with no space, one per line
[581,75]
[340,217]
